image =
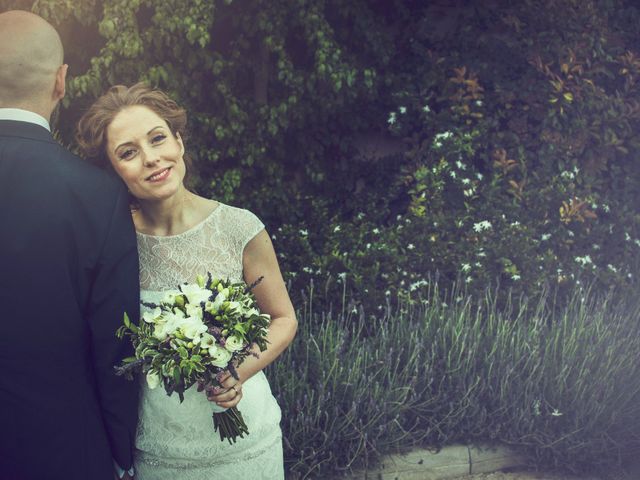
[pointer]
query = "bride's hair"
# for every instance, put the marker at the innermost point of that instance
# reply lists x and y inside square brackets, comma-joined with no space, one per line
[91,132]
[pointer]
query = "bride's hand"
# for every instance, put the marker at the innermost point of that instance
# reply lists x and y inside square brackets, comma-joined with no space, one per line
[227,396]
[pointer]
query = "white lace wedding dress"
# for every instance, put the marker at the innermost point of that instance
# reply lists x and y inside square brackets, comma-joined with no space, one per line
[176,441]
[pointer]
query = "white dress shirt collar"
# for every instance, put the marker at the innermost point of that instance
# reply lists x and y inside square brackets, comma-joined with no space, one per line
[19,115]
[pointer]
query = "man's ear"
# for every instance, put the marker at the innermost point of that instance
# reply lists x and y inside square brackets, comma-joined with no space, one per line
[60,86]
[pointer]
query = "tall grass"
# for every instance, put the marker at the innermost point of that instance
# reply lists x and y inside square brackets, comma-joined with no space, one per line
[563,385]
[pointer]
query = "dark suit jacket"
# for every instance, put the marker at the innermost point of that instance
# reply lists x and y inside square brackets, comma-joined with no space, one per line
[68,272]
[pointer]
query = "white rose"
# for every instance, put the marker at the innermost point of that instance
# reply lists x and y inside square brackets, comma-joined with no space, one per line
[195,293]
[152,316]
[234,343]
[220,356]
[153,379]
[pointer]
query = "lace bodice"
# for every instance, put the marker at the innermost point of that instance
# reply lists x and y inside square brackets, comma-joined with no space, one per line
[215,244]
[176,440]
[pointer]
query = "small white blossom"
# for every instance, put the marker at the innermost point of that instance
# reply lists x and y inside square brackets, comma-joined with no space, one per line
[567,175]
[596,246]
[469,192]
[460,165]
[443,135]
[336,228]
[515,277]
[479,103]
[606,208]
[376,231]
[465,181]
[545,237]
[556,413]
[402,110]
[392,118]
[479,176]
[453,174]
[426,109]
[584,261]
[411,246]
[304,233]
[627,237]
[468,280]
[481,226]
[465,267]
[612,268]
[515,224]
[342,276]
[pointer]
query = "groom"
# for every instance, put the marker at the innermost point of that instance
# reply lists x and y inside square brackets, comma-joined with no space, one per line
[68,272]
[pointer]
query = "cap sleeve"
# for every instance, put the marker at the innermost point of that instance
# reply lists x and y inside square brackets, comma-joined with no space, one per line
[252,225]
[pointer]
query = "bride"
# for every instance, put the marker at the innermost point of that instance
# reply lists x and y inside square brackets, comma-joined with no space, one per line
[139,133]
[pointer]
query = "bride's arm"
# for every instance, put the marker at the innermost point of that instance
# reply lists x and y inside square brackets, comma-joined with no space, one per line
[259,260]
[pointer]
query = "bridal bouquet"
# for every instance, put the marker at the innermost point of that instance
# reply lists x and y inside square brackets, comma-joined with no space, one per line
[192,335]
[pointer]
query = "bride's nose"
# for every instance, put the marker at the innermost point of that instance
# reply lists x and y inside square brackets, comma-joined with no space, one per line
[151,157]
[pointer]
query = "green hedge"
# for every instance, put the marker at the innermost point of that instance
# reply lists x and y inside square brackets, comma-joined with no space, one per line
[562,386]
[519,120]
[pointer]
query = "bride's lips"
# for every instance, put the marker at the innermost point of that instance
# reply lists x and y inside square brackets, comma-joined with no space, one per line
[159,175]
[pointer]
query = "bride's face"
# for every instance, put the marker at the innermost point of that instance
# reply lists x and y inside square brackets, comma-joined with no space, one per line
[146,154]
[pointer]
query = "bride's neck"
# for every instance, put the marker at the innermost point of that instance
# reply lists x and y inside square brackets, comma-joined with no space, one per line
[166,217]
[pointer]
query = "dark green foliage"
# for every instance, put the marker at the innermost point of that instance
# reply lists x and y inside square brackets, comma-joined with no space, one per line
[289,102]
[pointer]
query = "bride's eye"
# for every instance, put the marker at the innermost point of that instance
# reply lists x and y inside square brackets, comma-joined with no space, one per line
[158,138]
[127,154]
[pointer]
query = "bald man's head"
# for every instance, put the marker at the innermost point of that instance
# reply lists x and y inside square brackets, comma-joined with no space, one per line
[31,55]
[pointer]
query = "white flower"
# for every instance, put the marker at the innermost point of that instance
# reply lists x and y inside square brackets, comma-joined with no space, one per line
[545,237]
[426,109]
[465,267]
[556,413]
[192,327]
[468,280]
[342,276]
[567,175]
[606,208]
[584,261]
[376,231]
[193,310]
[234,343]
[170,296]
[612,268]
[465,181]
[411,246]
[151,316]
[627,237]
[461,166]
[452,174]
[479,103]
[392,118]
[336,228]
[195,293]
[207,340]
[304,233]
[479,176]
[220,356]
[153,379]
[481,226]
[443,135]
[402,110]
[469,192]
[515,277]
